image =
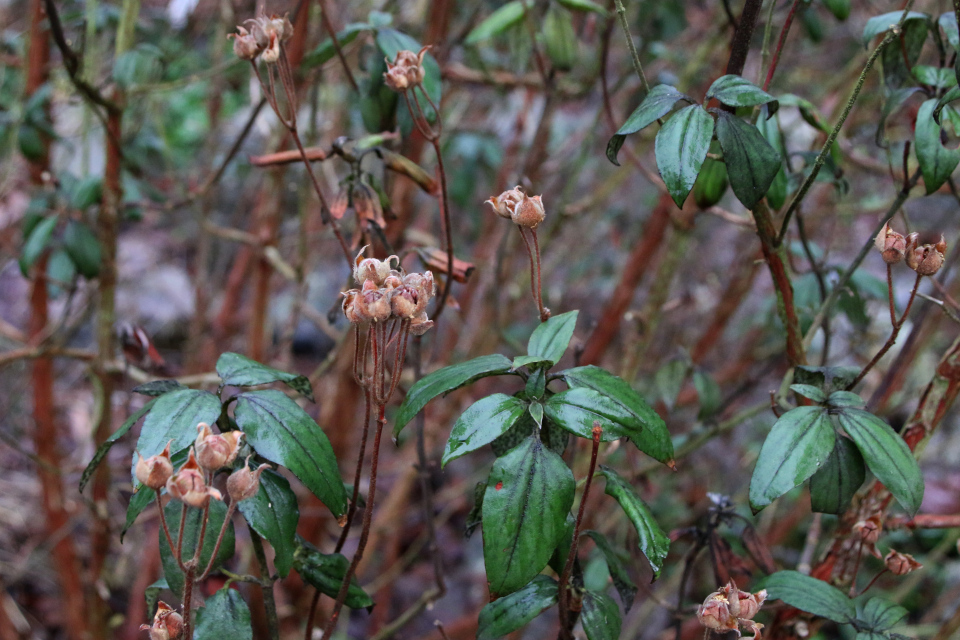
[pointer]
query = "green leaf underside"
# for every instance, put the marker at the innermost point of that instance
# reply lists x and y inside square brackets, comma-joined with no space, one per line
[811,595]
[833,485]
[845,399]
[280,431]
[737,91]
[881,614]
[653,438]
[446,380]
[600,616]
[937,162]
[104,448]
[482,423]
[551,338]
[497,22]
[654,543]
[531,362]
[239,371]
[224,616]
[583,5]
[658,103]
[191,533]
[681,147]
[175,417]
[752,163]
[617,568]
[879,24]
[273,513]
[886,455]
[798,444]
[326,571]
[509,613]
[809,391]
[156,388]
[529,494]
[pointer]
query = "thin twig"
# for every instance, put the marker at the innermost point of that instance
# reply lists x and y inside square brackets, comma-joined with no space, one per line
[634,56]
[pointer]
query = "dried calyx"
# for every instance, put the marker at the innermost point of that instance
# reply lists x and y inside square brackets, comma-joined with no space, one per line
[900,564]
[925,259]
[386,293]
[189,485]
[728,609]
[167,623]
[262,35]
[514,204]
[406,70]
[154,471]
[245,482]
[215,451]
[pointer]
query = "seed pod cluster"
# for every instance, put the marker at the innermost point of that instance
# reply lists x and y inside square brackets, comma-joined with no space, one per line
[925,259]
[263,37]
[386,293]
[728,609]
[514,204]
[406,71]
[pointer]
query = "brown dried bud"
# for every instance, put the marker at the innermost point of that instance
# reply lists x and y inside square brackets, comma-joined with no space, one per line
[244,482]
[167,623]
[405,302]
[374,305]
[396,79]
[189,486]
[154,471]
[371,269]
[714,613]
[215,451]
[529,212]
[245,45]
[505,203]
[406,71]
[869,529]
[340,204]
[926,259]
[421,324]
[892,245]
[349,308]
[392,282]
[272,53]
[900,564]
[728,608]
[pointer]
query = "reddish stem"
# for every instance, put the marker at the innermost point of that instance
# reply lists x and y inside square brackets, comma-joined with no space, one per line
[783,38]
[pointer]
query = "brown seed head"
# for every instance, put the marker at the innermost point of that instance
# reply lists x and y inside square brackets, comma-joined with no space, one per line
[421,324]
[869,529]
[167,624]
[529,212]
[154,471]
[406,71]
[504,203]
[189,486]
[215,451]
[244,482]
[900,564]
[245,45]
[714,613]
[892,245]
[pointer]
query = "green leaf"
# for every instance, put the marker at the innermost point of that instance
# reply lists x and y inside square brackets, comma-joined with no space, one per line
[798,445]
[560,38]
[86,193]
[681,146]
[509,613]
[531,362]
[708,394]
[880,24]
[737,91]
[550,339]
[939,77]
[845,399]
[536,412]
[948,22]
[752,163]
[617,568]
[279,430]
[839,8]
[654,543]
[583,5]
[152,593]
[809,391]
[653,438]
[29,141]
[175,417]
[104,448]
[886,455]
[445,380]
[83,248]
[529,494]
[36,243]
[936,161]
[711,184]
[60,271]
[880,614]
[902,55]
[833,485]
[325,51]
[224,615]
[948,97]
[811,595]
[497,22]
[668,380]
[481,424]
[578,408]
[656,104]
[326,572]
[827,378]
[273,513]
[600,616]
[191,534]
[240,371]
[157,388]
[138,502]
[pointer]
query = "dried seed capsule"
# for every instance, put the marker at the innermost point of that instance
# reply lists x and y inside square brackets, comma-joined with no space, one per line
[154,471]
[900,564]
[244,482]
[529,212]
[167,623]
[215,451]
[188,485]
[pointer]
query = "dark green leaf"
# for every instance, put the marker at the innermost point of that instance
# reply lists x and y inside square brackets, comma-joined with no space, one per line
[191,534]
[529,494]
[948,97]
[711,184]
[445,380]
[948,22]
[938,77]
[600,616]
[798,445]
[273,513]
[326,571]
[174,418]
[708,394]
[845,399]
[481,424]
[654,543]
[583,5]
[30,142]
[681,146]
[936,161]
[104,448]
[886,455]
[653,438]
[656,104]
[752,163]
[156,388]
[880,24]
[558,559]
[152,593]
[86,193]
[325,51]
[833,485]
[881,614]
[279,430]
[138,502]
[224,615]
[497,22]
[83,247]
[827,378]
[839,8]
[36,243]
[811,595]
[737,91]
[809,391]
[240,371]
[550,339]
[531,362]
[507,614]
[474,517]
[669,379]
[618,569]
[559,38]
[60,271]
[892,103]
[901,56]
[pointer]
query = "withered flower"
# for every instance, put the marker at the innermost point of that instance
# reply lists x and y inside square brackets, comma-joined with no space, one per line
[167,623]
[900,564]
[154,471]
[188,485]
